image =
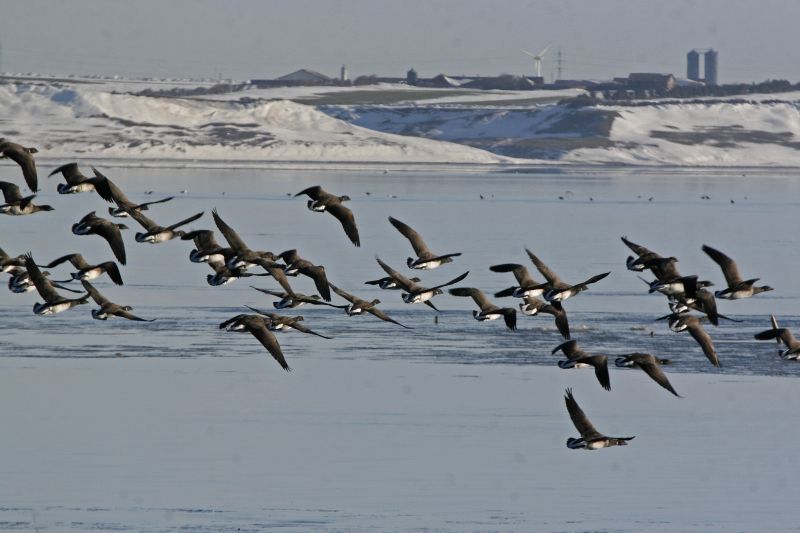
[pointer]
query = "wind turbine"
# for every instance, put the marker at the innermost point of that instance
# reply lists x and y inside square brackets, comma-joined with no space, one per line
[537,59]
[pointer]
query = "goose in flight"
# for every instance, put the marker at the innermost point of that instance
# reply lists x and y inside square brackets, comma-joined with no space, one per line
[322,200]
[242,256]
[694,326]
[92,224]
[426,260]
[53,302]
[297,265]
[416,293]
[257,326]
[527,285]
[651,366]
[532,306]
[737,287]
[18,205]
[358,306]
[23,156]
[124,205]
[782,335]
[109,308]
[292,299]
[558,290]
[577,358]
[590,438]
[206,247]
[488,311]
[77,182]
[285,323]
[87,271]
[155,233]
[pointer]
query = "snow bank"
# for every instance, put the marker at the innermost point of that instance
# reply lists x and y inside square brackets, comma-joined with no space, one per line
[65,122]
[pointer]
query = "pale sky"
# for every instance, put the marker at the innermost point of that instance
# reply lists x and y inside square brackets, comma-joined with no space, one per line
[244,39]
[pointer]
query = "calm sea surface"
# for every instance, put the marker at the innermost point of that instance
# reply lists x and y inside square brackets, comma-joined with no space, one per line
[454,425]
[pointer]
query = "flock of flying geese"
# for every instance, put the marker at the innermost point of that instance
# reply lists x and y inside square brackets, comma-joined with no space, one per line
[236,260]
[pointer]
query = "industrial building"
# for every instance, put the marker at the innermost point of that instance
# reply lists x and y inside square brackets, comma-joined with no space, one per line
[710,66]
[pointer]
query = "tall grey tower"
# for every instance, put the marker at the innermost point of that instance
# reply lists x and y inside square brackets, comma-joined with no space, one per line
[693,65]
[710,66]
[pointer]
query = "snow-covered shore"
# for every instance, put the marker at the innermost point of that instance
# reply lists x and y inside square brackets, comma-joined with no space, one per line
[99,120]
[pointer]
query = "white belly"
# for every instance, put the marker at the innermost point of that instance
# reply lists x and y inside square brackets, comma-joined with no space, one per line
[428,265]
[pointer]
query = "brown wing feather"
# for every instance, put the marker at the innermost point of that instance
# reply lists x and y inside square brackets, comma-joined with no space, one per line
[345,216]
[42,284]
[11,192]
[728,266]
[98,298]
[651,367]
[383,316]
[24,159]
[268,340]
[400,279]
[234,241]
[414,238]
[111,233]
[579,418]
[477,295]
[186,221]
[704,340]
[548,274]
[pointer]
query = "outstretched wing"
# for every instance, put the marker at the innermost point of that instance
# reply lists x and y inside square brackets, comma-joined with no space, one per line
[476,294]
[234,241]
[11,192]
[548,274]
[312,192]
[578,417]
[42,284]
[414,238]
[637,248]
[653,369]
[186,221]
[400,279]
[98,298]
[24,159]
[76,260]
[317,273]
[704,340]
[451,282]
[268,340]
[147,223]
[346,295]
[111,233]
[728,266]
[345,216]
[383,316]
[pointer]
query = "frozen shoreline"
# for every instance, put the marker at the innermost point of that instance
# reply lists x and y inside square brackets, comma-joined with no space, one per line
[93,122]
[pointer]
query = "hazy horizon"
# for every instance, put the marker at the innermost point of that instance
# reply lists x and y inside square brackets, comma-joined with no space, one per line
[246,39]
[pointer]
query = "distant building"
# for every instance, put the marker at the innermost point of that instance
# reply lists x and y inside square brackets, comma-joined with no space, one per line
[343,73]
[693,65]
[411,77]
[440,81]
[710,64]
[305,76]
[299,78]
[647,81]
[571,84]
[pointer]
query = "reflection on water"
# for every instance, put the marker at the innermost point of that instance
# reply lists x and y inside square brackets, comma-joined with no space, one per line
[573,221]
